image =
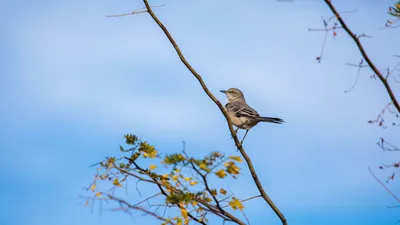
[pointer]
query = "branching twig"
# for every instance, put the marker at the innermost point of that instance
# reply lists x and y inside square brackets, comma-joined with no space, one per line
[138,11]
[360,65]
[121,201]
[206,185]
[384,186]
[379,119]
[165,193]
[386,146]
[326,29]
[364,54]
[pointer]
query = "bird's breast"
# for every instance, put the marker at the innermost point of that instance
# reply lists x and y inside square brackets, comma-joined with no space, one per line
[242,121]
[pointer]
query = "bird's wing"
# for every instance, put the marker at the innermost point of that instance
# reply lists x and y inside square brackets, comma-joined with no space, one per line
[241,109]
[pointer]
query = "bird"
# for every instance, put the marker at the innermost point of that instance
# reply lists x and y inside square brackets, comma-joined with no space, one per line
[241,114]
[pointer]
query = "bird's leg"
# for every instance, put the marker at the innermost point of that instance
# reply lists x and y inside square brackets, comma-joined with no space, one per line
[244,136]
[236,131]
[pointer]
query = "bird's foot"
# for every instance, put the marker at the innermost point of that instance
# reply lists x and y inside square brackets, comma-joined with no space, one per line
[236,132]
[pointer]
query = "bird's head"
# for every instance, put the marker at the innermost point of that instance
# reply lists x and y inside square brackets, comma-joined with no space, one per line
[233,94]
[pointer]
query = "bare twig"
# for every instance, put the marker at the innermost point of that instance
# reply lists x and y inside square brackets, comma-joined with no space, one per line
[384,186]
[379,119]
[121,201]
[138,11]
[360,65]
[147,199]
[386,146]
[326,30]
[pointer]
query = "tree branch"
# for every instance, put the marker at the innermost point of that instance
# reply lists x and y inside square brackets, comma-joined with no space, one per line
[221,108]
[384,186]
[206,185]
[138,208]
[225,213]
[165,194]
[364,54]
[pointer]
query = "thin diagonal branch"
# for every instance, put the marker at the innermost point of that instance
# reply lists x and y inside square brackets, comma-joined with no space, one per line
[139,208]
[384,186]
[221,108]
[165,194]
[364,54]
[206,185]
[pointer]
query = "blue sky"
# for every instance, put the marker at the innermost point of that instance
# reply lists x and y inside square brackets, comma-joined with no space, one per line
[74,82]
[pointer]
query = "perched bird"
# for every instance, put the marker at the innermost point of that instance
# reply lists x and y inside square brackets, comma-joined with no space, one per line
[241,114]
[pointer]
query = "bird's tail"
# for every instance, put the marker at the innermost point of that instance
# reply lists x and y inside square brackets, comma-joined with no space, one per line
[271,120]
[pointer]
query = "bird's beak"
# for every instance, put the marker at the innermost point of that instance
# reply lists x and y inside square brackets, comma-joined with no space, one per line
[223,91]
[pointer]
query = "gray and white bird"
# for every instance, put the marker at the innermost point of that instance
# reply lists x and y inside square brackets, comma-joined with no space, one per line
[241,114]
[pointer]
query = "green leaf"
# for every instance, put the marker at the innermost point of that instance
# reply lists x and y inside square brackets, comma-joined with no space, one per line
[130,139]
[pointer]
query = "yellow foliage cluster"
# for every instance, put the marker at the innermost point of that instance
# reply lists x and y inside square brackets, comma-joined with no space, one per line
[177,183]
[231,168]
[236,204]
[147,150]
[220,173]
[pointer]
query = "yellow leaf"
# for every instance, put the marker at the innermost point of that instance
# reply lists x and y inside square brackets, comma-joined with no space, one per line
[204,167]
[184,212]
[207,199]
[214,192]
[220,173]
[187,178]
[175,178]
[231,168]
[93,187]
[153,154]
[148,150]
[226,164]
[116,183]
[222,191]
[165,175]
[194,203]
[152,167]
[236,204]
[236,158]
[193,183]
[98,194]
[177,170]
